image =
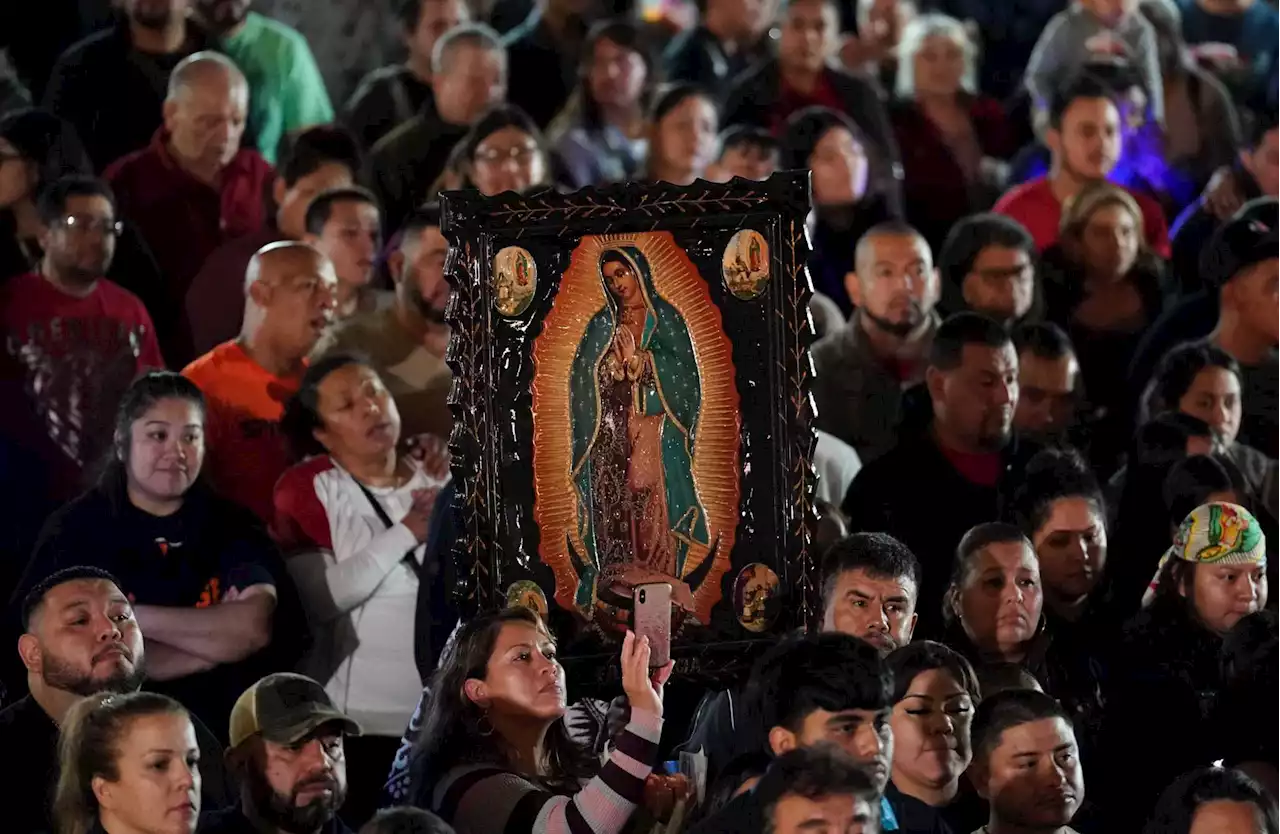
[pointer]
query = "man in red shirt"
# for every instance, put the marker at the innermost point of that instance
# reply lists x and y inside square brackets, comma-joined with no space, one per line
[290,291]
[193,188]
[74,340]
[1084,139]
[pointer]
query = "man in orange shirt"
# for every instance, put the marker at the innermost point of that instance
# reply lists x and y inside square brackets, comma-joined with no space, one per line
[289,302]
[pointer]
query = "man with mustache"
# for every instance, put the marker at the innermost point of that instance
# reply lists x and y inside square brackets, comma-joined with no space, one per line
[287,757]
[79,637]
[406,342]
[937,484]
[1026,763]
[863,369]
[1084,138]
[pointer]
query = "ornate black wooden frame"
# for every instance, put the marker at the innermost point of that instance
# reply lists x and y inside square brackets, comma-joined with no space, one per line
[491,360]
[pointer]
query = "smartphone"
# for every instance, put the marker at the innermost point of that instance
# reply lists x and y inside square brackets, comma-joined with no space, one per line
[651,618]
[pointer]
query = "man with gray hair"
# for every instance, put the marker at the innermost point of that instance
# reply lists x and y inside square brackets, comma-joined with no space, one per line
[290,291]
[469,75]
[194,188]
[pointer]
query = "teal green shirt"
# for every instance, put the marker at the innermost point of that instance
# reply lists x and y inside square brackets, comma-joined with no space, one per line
[286,90]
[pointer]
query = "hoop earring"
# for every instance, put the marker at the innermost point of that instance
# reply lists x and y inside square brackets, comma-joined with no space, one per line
[484,727]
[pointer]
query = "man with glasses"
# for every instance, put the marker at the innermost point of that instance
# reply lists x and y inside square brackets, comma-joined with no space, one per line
[987,265]
[74,341]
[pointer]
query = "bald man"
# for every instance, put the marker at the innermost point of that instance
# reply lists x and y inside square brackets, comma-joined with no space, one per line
[193,188]
[290,292]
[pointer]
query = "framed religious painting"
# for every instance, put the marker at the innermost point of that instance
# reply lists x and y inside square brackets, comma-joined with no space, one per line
[631,406]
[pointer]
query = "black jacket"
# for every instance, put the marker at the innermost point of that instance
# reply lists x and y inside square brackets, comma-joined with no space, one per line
[755,95]
[914,494]
[1192,230]
[113,94]
[27,789]
[697,57]
[406,162]
[541,71]
[1160,695]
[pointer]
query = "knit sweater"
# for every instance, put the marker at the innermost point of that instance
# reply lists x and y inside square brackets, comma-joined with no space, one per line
[485,799]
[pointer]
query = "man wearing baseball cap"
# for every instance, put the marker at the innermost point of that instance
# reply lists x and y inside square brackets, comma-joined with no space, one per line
[1237,311]
[286,756]
[1242,262]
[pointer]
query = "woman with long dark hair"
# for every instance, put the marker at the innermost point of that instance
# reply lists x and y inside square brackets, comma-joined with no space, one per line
[206,581]
[834,149]
[494,755]
[601,135]
[1168,672]
[127,764]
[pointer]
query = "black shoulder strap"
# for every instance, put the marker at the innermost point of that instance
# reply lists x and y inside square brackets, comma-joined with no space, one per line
[408,558]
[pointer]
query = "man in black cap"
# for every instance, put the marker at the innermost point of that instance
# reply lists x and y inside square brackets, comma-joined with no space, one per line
[286,755]
[1238,312]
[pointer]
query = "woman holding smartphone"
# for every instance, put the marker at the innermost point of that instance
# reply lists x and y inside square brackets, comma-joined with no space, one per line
[494,755]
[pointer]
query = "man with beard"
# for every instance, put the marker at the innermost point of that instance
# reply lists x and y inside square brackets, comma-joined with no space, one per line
[286,90]
[287,757]
[406,342]
[863,370]
[932,488]
[111,85]
[1084,138]
[79,637]
[74,340]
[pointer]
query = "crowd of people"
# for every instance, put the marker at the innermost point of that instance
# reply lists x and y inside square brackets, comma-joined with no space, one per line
[1046,388]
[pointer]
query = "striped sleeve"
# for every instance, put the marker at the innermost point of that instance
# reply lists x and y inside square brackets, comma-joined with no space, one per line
[500,802]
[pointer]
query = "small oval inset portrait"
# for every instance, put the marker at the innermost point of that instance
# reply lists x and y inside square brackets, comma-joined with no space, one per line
[515,277]
[525,593]
[746,264]
[755,597]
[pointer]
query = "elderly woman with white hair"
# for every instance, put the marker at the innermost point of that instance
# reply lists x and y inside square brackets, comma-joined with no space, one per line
[953,139]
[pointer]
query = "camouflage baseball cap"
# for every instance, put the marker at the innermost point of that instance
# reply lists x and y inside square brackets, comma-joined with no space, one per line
[284,708]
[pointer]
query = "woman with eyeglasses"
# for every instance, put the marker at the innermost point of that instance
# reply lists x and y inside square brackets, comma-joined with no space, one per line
[503,151]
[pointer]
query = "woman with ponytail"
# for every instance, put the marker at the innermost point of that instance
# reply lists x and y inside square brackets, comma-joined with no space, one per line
[129,764]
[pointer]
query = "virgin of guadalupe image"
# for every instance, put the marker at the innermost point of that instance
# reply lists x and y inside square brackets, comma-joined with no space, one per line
[636,396]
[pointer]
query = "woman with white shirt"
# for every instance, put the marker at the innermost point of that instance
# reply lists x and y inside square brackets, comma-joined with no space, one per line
[353,519]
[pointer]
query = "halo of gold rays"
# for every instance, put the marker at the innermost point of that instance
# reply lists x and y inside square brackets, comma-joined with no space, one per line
[715,449]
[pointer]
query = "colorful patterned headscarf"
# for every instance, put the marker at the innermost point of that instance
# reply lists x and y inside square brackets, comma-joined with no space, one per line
[1214,534]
